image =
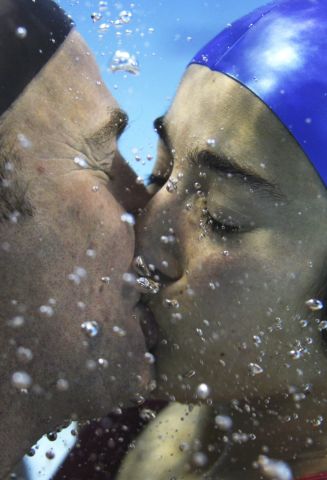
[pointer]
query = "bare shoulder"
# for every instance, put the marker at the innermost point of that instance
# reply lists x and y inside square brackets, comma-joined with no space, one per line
[166,447]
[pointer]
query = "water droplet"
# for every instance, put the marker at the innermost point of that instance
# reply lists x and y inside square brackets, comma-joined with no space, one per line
[314,304]
[24,355]
[125,62]
[90,328]
[171,185]
[95,188]
[21,32]
[96,16]
[146,285]
[21,380]
[274,469]
[128,218]
[223,422]
[254,369]
[62,385]
[202,391]
[105,280]
[125,16]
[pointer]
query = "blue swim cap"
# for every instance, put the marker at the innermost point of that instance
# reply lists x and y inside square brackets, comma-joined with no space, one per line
[279,52]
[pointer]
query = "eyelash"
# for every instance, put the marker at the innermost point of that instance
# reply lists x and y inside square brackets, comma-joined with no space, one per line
[218,227]
[157,180]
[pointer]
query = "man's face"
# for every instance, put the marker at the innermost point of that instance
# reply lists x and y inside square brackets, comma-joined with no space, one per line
[238,236]
[62,267]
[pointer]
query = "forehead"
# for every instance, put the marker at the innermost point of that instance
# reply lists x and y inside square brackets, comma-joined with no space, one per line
[211,106]
[71,86]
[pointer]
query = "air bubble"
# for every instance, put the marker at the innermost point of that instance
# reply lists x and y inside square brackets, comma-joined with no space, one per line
[141,267]
[125,16]
[24,355]
[274,469]
[21,32]
[254,369]
[211,142]
[314,304]
[105,280]
[199,459]
[62,385]
[90,328]
[120,332]
[322,325]
[145,285]
[128,218]
[96,16]
[223,422]
[202,391]
[81,162]
[46,310]
[171,185]
[21,380]
[103,363]
[149,358]
[125,62]
[146,414]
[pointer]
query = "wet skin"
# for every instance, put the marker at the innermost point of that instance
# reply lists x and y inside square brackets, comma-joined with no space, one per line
[248,212]
[66,112]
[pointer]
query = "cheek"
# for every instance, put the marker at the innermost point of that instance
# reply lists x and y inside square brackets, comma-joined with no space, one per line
[93,221]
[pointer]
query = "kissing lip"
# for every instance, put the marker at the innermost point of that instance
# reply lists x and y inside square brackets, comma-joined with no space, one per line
[148,325]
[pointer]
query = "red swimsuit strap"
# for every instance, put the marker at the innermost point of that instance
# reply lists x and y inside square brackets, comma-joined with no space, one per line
[318,476]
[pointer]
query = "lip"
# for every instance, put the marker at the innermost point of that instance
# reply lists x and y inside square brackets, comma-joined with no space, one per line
[148,325]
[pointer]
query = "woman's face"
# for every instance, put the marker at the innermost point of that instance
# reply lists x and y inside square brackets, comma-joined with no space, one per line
[238,236]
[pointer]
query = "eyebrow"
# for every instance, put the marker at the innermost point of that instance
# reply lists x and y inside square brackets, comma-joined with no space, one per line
[113,127]
[221,163]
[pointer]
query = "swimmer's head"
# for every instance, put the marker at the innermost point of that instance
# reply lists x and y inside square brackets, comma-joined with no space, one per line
[279,53]
[245,211]
[30,33]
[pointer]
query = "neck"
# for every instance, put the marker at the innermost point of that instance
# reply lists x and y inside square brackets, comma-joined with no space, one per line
[24,418]
[290,429]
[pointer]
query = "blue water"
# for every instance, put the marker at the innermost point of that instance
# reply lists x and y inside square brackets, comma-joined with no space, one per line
[180,28]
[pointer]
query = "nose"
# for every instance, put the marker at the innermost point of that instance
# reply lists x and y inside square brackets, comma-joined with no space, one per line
[158,235]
